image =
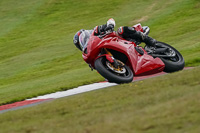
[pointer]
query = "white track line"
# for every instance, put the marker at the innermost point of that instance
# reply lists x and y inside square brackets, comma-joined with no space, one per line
[78,90]
[74,91]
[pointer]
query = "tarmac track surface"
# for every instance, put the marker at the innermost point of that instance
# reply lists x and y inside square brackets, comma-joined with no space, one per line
[60,94]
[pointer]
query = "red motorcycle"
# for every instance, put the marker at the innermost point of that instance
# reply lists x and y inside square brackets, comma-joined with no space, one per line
[118,60]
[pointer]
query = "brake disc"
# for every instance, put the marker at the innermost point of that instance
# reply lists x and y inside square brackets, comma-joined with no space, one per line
[120,69]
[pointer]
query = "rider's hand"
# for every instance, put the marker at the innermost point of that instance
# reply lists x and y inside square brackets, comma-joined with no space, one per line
[109,27]
[110,24]
[111,21]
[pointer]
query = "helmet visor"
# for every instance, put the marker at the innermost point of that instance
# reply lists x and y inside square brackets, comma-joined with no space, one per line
[84,37]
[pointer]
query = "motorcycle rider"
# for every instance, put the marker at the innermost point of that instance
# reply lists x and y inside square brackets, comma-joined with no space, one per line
[128,33]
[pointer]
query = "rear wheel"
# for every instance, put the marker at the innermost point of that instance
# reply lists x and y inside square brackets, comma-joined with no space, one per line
[172,64]
[119,74]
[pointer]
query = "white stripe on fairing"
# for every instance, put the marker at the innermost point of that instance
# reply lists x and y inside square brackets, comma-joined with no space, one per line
[74,91]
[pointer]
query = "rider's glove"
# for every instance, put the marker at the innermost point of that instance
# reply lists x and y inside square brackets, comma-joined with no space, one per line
[110,24]
[100,30]
[109,27]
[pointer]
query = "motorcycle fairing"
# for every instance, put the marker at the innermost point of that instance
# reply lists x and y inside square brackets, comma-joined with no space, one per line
[148,65]
[140,64]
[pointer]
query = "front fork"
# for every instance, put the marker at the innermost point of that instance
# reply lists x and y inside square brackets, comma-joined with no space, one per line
[109,56]
[112,60]
[116,64]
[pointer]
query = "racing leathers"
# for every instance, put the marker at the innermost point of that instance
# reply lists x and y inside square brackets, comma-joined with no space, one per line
[128,33]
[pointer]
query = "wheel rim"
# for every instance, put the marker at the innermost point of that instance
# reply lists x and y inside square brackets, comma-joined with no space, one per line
[119,70]
[111,76]
[122,71]
[171,52]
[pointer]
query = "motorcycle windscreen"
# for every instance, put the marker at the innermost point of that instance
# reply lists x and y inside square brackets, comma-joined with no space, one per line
[84,37]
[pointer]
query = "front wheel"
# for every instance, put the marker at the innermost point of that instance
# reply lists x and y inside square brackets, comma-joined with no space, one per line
[122,74]
[172,64]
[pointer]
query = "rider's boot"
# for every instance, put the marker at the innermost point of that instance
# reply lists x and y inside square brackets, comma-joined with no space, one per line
[150,41]
[130,32]
[146,39]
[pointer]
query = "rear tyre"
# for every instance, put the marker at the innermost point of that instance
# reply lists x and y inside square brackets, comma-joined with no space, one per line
[176,63]
[125,75]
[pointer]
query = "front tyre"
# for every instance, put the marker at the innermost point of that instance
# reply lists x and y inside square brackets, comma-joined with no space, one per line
[108,71]
[172,64]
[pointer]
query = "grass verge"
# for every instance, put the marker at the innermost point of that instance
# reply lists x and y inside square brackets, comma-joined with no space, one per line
[164,104]
[37,55]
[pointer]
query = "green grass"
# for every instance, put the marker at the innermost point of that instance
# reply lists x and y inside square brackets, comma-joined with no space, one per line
[165,104]
[37,55]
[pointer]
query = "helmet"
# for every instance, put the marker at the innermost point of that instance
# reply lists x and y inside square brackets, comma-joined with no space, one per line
[76,39]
